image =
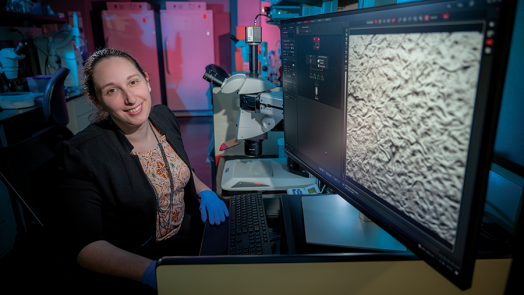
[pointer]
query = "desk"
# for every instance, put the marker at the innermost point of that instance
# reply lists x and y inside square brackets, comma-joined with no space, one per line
[34,113]
[286,230]
[315,269]
[7,115]
[18,114]
[296,267]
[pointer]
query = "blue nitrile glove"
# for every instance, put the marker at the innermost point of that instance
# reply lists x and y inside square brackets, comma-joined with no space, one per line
[149,276]
[211,205]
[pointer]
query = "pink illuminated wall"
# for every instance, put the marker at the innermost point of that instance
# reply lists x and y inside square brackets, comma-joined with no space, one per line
[134,32]
[187,45]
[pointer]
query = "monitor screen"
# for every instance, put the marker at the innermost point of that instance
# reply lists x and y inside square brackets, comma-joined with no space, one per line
[395,108]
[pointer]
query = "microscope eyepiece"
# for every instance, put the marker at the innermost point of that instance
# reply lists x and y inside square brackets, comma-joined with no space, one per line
[20,47]
[214,78]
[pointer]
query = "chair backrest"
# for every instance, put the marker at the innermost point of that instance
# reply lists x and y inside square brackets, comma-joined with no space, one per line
[54,103]
[29,169]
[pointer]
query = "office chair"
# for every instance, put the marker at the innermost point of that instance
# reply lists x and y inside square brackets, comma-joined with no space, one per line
[54,111]
[29,170]
[54,103]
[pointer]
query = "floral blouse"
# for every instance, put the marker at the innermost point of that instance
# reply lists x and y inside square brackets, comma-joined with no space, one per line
[154,167]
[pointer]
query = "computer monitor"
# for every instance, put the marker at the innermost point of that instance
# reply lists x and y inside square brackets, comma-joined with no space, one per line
[395,108]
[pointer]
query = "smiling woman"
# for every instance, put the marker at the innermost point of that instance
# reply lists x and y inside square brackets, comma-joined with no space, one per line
[125,94]
[128,188]
[89,74]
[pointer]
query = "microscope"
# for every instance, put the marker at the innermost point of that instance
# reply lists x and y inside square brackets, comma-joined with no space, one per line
[63,49]
[260,111]
[9,58]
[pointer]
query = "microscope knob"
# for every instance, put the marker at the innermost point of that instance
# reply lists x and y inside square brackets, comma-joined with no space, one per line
[268,123]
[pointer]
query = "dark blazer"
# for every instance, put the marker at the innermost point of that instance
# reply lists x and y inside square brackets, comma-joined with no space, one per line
[106,194]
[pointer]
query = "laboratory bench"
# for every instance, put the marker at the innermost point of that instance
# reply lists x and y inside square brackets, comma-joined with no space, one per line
[36,110]
[12,121]
[298,267]
[287,234]
[286,220]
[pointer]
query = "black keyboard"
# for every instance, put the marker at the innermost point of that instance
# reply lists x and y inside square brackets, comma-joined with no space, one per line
[248,231]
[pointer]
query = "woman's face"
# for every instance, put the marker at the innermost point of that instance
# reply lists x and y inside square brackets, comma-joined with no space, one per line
[123,92]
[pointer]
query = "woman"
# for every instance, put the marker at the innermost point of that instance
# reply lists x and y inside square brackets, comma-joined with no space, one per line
[123,208]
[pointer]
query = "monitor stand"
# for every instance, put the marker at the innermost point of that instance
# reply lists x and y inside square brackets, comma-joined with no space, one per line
[330,220]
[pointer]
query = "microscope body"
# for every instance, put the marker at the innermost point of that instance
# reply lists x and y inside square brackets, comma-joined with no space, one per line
[9,61]
[258,115]
[260,111]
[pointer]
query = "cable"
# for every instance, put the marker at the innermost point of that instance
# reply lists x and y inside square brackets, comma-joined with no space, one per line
[267,17]
[85,44]
[54,36]
[64,42]
[45,64]
[323,188]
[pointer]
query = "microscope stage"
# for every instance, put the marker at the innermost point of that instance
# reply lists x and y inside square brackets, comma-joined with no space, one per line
[261,175]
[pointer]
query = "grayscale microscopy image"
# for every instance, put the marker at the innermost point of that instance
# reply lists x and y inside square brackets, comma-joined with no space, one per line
[409,114]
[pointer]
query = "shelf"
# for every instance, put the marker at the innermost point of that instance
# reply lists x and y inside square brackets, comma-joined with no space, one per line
[295,2]
[270,22]
[280,17]
[20,19]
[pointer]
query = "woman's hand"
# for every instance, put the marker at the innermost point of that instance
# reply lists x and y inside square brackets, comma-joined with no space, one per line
[211,205]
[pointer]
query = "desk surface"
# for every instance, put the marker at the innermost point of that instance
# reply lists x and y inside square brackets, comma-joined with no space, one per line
[317,270]
[286,232]
[287,235]
[7,115]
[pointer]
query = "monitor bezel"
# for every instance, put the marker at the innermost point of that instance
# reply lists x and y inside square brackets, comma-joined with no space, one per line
[487,138]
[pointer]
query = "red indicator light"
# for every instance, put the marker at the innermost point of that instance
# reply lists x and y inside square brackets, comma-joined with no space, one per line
[376,22]
[426,17]
[489,42]
[257,183]
[393,20]
[205,16]
[144,20]
[445,16]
